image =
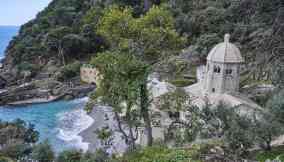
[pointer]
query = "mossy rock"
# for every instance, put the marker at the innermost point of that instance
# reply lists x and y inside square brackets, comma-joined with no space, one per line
[68,97]
[182,82]
[5,159]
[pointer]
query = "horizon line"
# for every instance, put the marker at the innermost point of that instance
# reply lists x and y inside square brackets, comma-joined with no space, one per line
[10,25]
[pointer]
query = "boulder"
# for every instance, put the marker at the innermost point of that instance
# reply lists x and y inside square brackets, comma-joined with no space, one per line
[3,83]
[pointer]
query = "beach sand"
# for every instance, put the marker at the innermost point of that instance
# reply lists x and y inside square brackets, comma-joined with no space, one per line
[99,114]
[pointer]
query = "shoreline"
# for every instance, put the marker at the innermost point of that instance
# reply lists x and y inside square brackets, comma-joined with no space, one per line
[34,101]
[88,135]
[23,95]
[59,122]
[103,117]
[81,121]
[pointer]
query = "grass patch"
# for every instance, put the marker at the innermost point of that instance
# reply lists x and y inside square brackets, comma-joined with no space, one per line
[273,154]
[182,82]
[281,157]
[5,159]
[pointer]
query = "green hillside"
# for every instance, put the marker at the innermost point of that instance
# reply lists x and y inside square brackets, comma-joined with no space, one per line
[67,31]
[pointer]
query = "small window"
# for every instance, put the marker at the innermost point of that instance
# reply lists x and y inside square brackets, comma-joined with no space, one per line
[217,69]
[213,90]
[229,71]
[174,115]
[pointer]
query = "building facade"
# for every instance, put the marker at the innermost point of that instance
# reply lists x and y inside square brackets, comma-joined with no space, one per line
[222,73]
[89,74]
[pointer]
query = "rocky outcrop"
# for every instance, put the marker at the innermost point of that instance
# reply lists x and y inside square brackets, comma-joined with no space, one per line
[78,92]
[3,83]
[30,91]
[19,93]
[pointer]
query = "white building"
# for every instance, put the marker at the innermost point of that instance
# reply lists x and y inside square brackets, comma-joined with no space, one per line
[221,79]
[222,73]
[218,81]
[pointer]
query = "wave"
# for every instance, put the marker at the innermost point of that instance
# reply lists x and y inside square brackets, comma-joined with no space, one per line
[71,124]
[81,100]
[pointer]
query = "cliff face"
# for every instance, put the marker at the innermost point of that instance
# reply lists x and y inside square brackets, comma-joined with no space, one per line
[30,44]
[66,31]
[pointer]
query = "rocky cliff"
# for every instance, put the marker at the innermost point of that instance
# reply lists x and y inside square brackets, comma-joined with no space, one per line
[64,35]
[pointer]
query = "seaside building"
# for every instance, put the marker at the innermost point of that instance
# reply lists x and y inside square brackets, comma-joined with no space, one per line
[222,73]
[89,74]
[218,81]
[221,79]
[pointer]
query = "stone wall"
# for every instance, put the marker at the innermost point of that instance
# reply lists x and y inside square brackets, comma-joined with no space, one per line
[89,74]
[221,77]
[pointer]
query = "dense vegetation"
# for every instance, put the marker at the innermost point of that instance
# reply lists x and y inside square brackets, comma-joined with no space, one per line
[16,139]
[67,30]
[129,40]
[229,134]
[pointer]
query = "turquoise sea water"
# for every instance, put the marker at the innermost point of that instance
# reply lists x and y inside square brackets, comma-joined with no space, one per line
[6,35]
[59,122]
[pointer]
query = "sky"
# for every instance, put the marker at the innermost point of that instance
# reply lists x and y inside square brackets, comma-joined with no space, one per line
[18,12]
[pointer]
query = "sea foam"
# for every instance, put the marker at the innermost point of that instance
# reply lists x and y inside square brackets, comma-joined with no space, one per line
[71,124]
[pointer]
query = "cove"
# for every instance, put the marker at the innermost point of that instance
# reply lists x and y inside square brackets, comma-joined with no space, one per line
[58,122]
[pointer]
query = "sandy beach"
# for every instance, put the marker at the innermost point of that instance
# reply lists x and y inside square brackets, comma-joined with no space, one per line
[103,117]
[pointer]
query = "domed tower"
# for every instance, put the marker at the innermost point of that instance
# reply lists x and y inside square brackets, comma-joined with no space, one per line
[222,69]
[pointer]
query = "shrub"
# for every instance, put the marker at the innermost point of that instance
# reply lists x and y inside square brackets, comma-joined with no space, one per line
[5,159]
[160,154]
[16,151]
[16,138]
[25,66]
[43,152]
[273,154]
[276,106]
[98,156]
[69,71]
[174,67]
[70,156]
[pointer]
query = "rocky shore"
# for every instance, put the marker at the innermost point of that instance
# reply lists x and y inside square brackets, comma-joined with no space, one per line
[42,91]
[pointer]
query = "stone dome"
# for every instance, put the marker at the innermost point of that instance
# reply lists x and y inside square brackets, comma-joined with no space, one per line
[225,52]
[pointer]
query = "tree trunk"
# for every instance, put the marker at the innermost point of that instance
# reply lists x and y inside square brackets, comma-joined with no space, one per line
[132,139]
[130,126]
[61,54]
[268,146]
[120,128]
[145,112]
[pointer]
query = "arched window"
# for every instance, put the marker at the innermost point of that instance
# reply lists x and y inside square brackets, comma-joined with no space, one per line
[217,69]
